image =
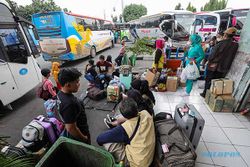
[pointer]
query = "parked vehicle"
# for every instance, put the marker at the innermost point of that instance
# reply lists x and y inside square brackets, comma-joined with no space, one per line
[19,70]
[67,36]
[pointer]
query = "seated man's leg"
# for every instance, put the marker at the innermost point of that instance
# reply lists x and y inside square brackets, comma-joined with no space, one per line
[117,150]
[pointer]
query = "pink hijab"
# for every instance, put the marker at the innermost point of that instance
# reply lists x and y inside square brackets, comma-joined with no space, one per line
[159,43]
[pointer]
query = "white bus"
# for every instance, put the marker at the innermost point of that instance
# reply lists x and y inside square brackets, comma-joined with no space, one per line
[19,71]
[218,21]
[149,25]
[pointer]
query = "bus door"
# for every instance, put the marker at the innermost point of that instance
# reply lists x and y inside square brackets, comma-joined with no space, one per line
[8,87]
[22,65]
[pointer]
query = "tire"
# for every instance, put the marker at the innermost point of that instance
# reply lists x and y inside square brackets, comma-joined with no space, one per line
[1,107]
[112,44]
[92,52]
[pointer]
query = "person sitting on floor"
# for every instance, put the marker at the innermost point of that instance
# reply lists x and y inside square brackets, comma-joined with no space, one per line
[103,75]
[90,72]
[143,88]
[111,122]
[132,142]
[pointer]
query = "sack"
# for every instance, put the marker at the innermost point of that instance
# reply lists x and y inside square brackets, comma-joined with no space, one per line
[172,145]
[125,60]
[95,93]
[41,93]
[13,151]
[113,93]
[125,70]
[33,136]
[192,71]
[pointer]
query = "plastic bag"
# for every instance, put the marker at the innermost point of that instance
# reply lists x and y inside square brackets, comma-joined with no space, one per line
[125,60]
[132,59]
[192,72]
[183,76]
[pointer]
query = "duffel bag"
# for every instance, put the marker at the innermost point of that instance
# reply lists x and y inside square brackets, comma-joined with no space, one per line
[173,146]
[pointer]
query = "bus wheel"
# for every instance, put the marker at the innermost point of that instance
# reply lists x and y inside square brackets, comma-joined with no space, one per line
[111,44]
[92,52]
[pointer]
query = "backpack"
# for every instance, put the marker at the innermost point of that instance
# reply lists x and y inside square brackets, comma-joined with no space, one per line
[33,136]
[41,93]
[95,93]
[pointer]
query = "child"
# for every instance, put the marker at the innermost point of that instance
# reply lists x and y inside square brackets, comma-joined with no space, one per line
[47,84]
[55,72]
[71,109]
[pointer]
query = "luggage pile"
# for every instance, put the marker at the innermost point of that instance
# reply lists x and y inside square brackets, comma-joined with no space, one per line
[173,144]
[219,98]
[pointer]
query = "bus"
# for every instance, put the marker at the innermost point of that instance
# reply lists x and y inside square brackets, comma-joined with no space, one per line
[68,36]
[149,25]
[218,21]
[123,28]
[19,70]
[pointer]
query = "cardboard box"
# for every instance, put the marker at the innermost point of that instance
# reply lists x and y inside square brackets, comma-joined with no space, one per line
[172,84]
[221,86]
[152,78]
[223,103]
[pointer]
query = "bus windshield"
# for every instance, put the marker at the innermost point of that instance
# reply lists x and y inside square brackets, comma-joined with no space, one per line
[241,14]
[185,20]
[209,20]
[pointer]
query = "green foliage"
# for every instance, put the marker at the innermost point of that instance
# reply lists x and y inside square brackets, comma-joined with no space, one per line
[178,7]
[142,46]
[215,5]
[15,161]
[133,11]
[191,7]
[35,7]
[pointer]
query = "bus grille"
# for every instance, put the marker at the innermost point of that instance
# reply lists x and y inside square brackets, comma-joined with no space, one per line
[49,32]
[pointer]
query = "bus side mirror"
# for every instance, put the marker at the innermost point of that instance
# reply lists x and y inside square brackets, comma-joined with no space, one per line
[168,26]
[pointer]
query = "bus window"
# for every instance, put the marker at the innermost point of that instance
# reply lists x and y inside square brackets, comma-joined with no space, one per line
[209,20]
[13,45]
[28,30]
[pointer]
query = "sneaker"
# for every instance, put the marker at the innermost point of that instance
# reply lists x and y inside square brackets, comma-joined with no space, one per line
[108,124]
[202,95]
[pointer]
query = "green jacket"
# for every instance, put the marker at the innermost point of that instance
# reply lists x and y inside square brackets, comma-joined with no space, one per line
[195,52]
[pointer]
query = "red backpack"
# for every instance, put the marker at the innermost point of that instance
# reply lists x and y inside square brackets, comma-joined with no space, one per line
[41,93]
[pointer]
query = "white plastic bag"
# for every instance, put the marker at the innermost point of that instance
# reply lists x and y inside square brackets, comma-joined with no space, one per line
[192,72]
[183,76]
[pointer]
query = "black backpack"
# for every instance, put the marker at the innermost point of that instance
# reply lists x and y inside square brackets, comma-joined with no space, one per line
[95,93]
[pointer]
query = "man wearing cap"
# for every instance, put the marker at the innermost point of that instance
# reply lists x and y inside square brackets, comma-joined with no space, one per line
[221,58]
[133,141]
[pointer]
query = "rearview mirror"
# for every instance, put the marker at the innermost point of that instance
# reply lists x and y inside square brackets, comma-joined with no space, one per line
[167,27]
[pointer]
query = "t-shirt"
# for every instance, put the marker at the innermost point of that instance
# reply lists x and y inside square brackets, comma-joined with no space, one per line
[103,67]
[91,69]
[73,111]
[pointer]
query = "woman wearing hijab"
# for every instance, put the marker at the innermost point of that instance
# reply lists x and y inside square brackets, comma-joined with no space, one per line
[160,58]
[195,55]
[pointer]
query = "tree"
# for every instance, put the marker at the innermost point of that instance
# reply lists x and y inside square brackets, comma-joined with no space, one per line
[178,7]
[133,11]
[215,5]
[191,7]
[35,7]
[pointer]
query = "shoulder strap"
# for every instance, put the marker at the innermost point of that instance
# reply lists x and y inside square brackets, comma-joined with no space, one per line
[136,128]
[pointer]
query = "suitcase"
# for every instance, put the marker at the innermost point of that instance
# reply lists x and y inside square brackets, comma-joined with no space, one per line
[126,80]
[51,127]
[190,120]
[113,93]
[173,147]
